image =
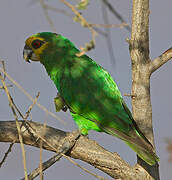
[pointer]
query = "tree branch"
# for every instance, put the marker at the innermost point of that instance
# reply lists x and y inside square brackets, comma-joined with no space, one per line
[63,149]
[139,51]
[160,60]
[84,149]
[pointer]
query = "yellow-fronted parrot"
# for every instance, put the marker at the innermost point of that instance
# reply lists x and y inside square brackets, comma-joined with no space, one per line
[88,91]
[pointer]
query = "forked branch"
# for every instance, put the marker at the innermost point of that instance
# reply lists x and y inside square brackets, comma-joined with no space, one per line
[160,60]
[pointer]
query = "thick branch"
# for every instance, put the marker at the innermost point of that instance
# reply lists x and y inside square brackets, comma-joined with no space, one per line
[139,51]
[160,60]
[84,149]
[140,29]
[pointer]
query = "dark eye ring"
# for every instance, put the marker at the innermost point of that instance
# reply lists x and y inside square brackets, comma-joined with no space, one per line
[37,43]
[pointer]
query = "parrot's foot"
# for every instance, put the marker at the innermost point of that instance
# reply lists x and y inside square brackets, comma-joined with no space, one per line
[84,131]
[59,103]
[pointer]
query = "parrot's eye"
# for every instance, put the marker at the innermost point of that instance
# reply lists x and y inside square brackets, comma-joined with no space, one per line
[37,43]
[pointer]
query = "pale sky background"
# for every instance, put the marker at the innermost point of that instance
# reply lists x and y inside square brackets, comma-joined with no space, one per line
[20,19]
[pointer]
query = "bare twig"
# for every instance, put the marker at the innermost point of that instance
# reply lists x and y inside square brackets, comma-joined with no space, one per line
[85,24]
[62,11]
[169,148]
[1,87]
[11,104]
[84,169]
[93,25]
[117,15]
[44,7]
[122,25]
[31,106]
[65,147]
[16,108]
[46,164]
[160,60]
[40,164]
[30,97]
[108,37]
[100,31]
[3,66]
[130,95]
[6,154]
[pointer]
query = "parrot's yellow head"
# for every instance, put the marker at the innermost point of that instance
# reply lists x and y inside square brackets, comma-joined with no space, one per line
[47,47]
[34,47]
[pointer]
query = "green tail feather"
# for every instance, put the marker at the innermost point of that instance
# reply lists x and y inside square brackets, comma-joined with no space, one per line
[138,142]
[150,158]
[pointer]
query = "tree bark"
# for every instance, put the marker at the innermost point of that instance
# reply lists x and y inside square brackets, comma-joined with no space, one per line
[139,51]
[84,149]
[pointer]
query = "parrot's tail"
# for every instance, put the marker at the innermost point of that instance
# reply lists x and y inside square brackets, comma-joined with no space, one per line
[136,141]
[148,156]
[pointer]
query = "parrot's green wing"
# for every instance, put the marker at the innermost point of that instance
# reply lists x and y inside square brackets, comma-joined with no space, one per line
[89,91]
[93,94]
[97,104]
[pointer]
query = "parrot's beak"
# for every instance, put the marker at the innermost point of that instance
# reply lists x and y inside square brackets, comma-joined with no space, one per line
[28,54]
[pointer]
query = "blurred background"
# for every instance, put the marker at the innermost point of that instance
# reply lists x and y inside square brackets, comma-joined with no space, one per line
[20,19]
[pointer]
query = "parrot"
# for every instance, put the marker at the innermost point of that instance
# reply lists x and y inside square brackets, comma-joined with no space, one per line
[88,91]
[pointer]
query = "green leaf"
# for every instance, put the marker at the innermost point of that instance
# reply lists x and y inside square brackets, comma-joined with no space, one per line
[83,4]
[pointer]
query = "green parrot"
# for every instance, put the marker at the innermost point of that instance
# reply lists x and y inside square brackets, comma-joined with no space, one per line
[88,91]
